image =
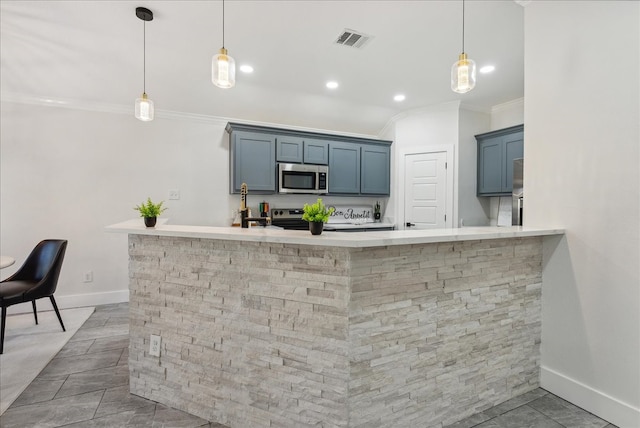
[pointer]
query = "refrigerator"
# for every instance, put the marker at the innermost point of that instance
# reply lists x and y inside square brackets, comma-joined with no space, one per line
[517,194]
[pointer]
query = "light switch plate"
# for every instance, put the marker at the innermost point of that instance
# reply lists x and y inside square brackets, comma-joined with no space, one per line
[174,194]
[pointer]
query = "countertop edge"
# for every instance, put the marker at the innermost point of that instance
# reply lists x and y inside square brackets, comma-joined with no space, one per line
[332,239]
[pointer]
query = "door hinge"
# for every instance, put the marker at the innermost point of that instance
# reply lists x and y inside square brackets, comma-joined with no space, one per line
[446,165]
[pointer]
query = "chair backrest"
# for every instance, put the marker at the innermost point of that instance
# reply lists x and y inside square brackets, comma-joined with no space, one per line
[43,266]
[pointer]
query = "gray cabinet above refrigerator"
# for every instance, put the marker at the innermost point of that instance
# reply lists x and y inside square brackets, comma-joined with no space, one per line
[496,152]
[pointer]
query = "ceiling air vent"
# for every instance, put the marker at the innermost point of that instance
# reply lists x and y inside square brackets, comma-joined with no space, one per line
[352,38]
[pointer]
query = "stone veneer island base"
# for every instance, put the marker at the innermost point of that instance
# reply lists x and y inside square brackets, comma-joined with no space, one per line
[263,331]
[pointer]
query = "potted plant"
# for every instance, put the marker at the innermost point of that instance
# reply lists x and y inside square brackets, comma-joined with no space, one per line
[317,215]
[150,211]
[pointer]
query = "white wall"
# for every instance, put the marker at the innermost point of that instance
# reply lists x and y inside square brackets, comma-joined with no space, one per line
[67,173]
[582,115]
[417,130]
[472,210]
[389,210]
[507,114]
[432,128]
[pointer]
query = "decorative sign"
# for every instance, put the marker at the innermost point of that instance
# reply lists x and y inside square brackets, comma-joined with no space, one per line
[351,214]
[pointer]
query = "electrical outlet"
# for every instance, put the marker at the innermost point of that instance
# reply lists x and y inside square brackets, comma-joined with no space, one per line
[154,346]
[88,276]
[174,194]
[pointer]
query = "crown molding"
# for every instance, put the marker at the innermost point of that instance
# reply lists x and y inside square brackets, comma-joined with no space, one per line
[449,106]
[304,129]
[59,102]
[159,114]
[74,104]
[477,109]
[508,105]
[523,3]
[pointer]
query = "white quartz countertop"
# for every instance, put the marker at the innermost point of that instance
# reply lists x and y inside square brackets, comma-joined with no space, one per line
[331,239]
[346,226]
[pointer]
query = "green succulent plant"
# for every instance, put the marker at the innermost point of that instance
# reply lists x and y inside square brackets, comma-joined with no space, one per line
[317,213]
[149,209]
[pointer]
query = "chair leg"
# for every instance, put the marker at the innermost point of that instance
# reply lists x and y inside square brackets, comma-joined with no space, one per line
[4,322]
[53,302]
[35,313]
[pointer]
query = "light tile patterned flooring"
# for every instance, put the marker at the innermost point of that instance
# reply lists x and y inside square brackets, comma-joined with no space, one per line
[87,385]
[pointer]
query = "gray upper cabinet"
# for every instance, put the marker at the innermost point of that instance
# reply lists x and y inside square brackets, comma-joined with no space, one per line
[253,161]
[496,152]
[490,166]
[357,166]
[374,169]
[316,151]
[512,148]
[289,149]
[344,168]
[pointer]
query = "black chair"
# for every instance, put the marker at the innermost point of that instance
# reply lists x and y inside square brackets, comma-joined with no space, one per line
[36,278]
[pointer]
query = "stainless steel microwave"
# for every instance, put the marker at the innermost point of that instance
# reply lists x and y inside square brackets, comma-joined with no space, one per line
[298,178]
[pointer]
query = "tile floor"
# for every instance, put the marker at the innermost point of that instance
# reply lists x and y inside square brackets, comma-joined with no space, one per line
[87,385]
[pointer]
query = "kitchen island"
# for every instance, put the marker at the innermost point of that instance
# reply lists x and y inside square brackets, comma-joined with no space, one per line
[264,327]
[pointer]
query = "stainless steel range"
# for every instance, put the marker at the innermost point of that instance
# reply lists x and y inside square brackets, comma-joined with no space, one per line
[288,218]
[291,218]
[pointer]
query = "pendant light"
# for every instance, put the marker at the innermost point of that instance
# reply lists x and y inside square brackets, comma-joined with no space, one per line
[463,71]
[223,67]
[144,106]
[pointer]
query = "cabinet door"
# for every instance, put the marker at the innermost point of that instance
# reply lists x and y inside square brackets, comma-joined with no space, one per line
[289,149]
[254,162]
[374,170]
[316,152]
[490,166]
[344,167]
[512,148]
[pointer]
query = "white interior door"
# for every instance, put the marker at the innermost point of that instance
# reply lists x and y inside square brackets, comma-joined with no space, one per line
[425,196]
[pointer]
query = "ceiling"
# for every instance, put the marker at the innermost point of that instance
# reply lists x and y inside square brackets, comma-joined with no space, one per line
[90,52]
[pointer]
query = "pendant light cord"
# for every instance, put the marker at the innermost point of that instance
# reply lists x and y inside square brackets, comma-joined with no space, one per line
[462,26]
[223,23]
[144,57]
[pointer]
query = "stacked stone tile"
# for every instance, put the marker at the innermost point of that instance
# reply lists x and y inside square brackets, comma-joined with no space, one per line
[280,335]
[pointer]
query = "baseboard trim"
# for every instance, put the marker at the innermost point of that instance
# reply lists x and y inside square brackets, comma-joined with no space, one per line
[600,404]
[73,301]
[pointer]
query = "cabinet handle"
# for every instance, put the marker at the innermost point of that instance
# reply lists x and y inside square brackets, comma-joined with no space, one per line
[410,224]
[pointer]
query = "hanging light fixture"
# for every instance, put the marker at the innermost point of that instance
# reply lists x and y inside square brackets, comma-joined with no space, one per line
[223,67]
[144,106]
[463,71]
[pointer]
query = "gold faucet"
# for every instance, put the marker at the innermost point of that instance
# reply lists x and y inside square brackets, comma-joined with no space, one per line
[244,189]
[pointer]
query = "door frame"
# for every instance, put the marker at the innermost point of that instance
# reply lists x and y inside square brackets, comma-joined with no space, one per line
[449,149]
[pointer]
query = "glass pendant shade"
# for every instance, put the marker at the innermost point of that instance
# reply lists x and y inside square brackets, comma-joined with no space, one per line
[223,70]
[144,108]
[463,74]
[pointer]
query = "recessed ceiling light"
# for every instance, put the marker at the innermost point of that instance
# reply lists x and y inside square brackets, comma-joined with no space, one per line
[399,97]
[246,69]
[332,85]
[487,69]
